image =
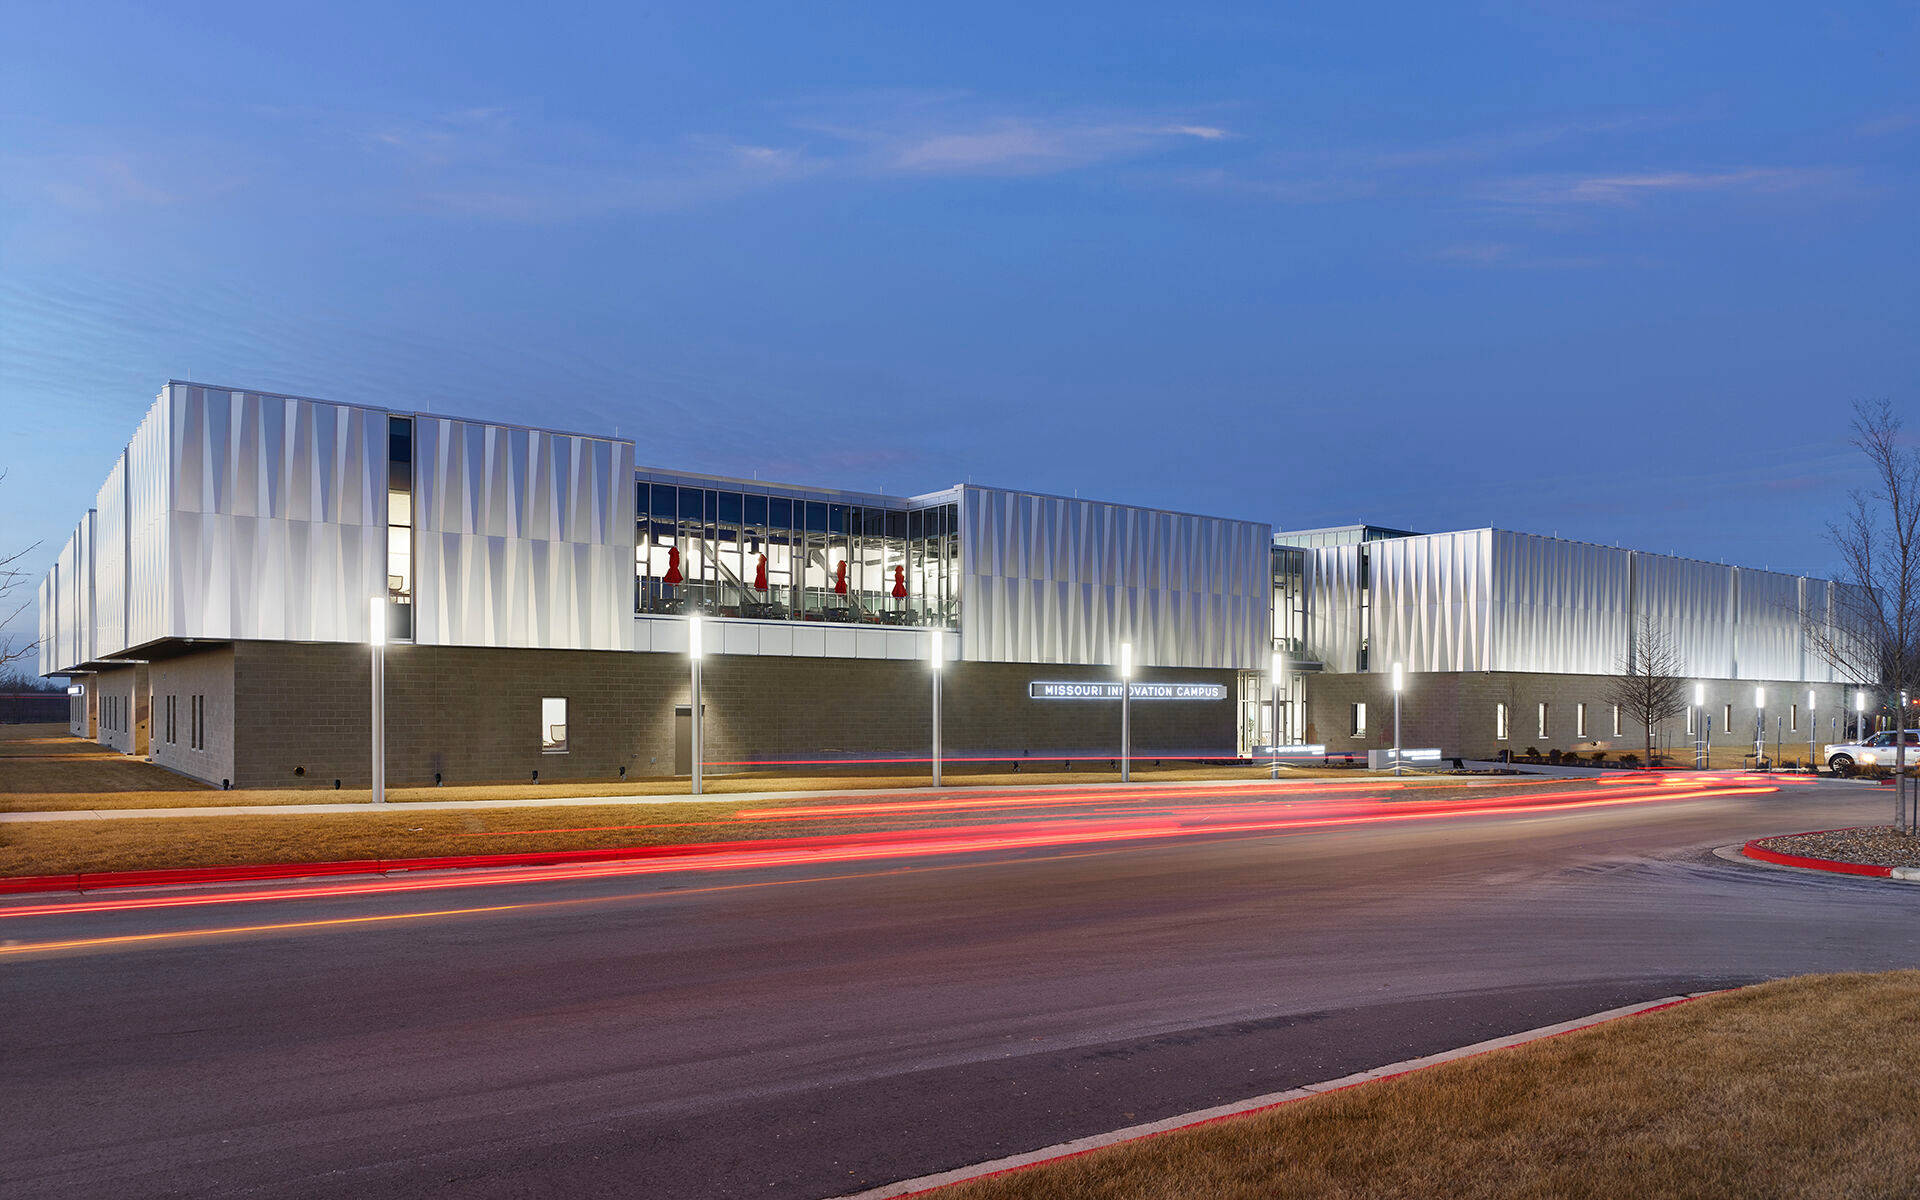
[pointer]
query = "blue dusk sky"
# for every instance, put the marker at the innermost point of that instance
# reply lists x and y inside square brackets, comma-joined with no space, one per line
[1613,270]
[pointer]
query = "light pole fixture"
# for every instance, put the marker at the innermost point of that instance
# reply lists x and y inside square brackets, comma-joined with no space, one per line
[1275,669]
[1699,726]
[1813,731]
[1399,685]
[377,639]
[1126,712]
[694,652]
[936,659]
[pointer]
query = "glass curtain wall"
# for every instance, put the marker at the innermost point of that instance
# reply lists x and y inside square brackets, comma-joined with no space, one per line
[768,557]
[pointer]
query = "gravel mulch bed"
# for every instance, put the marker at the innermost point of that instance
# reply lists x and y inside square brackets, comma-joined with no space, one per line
[1877,845]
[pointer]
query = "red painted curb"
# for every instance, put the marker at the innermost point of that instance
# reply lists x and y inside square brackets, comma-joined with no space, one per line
[1753,849]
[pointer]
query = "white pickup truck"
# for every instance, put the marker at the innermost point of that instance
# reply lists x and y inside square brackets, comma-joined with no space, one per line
[1876,751]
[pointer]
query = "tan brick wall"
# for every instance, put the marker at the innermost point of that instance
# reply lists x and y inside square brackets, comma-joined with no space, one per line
[207,673]
[473,714]
[1455,711]
[126,688]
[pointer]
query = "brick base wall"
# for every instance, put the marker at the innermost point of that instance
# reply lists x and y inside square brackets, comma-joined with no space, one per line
[1455,711]
[208,673]
[473,714]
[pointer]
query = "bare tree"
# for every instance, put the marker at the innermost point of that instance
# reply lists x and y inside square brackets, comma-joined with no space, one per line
[1650,684]
[1872,635]
[13,582]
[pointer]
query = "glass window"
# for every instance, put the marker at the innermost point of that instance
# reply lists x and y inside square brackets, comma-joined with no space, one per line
[756,510]
[553,725]
[1580,719]
[1616,720]
[780,512]
[1359,720]
[1500,730]
[1541,716]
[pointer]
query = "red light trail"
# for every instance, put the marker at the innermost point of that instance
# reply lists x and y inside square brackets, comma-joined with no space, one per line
[1183,821]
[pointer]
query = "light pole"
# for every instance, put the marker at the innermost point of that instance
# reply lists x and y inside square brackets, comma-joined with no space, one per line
[377,637]
[1278,665]
[1399,682]
[694,651]
[1126,712]
[1813,732]
[1759,725]
[1859,716]
[1699,726]
[1900,758]
[936,658]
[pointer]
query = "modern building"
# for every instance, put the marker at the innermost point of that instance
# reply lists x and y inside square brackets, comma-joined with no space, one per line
[212,611]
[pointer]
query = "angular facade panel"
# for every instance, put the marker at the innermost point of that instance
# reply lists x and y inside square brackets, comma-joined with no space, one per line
[276,523]
[1432,601]
[1331,578]
[521,537]
[1047,579]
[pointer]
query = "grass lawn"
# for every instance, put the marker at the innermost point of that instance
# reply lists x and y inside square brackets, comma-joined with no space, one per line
[1800,1088]
[44,769]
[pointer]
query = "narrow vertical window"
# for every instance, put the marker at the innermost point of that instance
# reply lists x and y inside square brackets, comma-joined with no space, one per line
[1540,720]
[1793,718]
[400,527]
[1616,720]
[1726,719]
[553,725]
[1690,718]
[1580,719]
[1500,719]
[1359,722]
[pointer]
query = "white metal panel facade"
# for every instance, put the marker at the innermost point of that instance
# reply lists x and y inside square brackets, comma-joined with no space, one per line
[1431,607]
[1330,576]
[1499,601]
[1767,630]
[1558,606]
[277,519]
[1047,579]
[48,629]
[148,488]
[110,563]
[521,537]
[1693,603]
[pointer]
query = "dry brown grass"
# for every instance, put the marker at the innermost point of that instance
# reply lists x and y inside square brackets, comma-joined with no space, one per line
[1801,1088]
[60,847]
[43,769]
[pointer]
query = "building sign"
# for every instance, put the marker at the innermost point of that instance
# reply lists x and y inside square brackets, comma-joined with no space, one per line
[1040,689]
[1316,750]
[76,689]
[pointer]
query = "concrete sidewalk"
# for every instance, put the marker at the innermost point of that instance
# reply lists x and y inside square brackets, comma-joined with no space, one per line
[367,809]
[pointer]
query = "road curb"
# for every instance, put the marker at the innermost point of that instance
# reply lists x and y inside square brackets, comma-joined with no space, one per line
[1832,866]
[1206,1116]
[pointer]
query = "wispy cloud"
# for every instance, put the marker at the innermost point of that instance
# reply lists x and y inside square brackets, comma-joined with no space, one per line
[1509,256]
[1631,188]
[1027,146]
[493,162]
[1890,124]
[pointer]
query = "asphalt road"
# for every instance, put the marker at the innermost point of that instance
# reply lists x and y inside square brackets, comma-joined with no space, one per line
[809,1031]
